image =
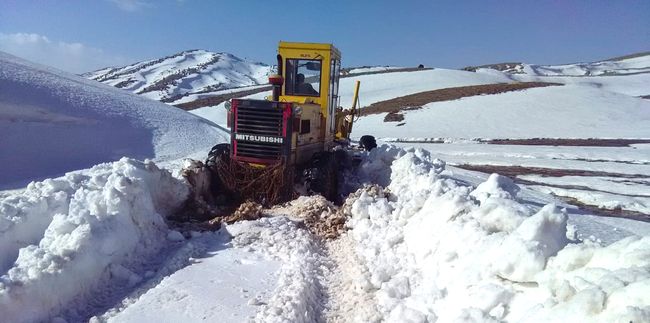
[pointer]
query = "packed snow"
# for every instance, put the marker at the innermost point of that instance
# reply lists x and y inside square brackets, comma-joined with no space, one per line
[52,122]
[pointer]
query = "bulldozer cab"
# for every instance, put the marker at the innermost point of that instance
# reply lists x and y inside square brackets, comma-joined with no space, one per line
[311,78]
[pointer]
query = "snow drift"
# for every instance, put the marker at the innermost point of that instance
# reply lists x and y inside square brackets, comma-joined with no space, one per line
[63,237]
[52,122]
[436,250]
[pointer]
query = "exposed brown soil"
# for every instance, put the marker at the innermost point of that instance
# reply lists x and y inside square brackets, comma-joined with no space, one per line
[394,117]
[217,99]
[616,213]
[498,66]
[635,55]
[606,161]
[514,171]
[590,142]
[573,187]
[247,211]
[417,100]
[406,69]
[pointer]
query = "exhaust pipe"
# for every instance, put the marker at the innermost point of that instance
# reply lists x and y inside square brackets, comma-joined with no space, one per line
[277,80]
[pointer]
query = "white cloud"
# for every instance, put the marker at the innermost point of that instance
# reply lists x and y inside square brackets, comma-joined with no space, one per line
[131,5]
[70,57]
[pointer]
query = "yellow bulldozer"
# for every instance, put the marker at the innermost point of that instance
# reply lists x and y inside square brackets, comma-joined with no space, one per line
[296,135]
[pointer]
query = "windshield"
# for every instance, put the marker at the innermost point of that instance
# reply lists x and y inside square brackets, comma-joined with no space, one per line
[303,77]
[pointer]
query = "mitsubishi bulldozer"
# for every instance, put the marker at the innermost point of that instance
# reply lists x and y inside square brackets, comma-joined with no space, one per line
[291,143]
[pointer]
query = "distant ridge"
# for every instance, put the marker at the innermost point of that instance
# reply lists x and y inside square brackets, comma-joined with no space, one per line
[173,77]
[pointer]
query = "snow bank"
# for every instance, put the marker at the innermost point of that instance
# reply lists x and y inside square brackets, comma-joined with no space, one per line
[52,122]
[434,249]
[298,292]
[62,237]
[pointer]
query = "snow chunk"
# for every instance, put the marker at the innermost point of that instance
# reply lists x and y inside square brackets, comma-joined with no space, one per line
[439,250]
[496,186]
[175,236]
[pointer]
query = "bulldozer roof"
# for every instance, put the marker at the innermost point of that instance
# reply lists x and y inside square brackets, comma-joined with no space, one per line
[308,46]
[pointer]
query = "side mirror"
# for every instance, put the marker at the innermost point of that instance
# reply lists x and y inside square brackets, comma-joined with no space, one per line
[227,105]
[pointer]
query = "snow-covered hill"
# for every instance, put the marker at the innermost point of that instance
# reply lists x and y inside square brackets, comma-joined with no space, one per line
[52,122]
[170,78]
[628,75]
[626,65]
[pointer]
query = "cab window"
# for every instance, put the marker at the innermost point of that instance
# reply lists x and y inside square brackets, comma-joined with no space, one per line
[303,77]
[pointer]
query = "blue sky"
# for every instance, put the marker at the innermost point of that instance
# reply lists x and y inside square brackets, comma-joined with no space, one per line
[78,35]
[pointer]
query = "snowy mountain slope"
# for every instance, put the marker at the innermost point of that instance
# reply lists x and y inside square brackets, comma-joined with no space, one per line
[629,76]
[627,65]
[170,78]
[576,110]
[569,111]
[53,122]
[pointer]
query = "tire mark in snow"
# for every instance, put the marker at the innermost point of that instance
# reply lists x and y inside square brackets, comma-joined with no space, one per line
[300,295]
[127,282]
[348,299]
